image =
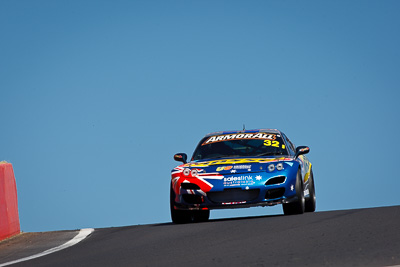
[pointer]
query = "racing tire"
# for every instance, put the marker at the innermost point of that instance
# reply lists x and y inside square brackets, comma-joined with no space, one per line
[178,216]
[201,215]
[298,206]
[311,201]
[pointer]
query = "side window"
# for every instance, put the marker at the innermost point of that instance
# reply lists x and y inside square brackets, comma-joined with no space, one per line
[291,146]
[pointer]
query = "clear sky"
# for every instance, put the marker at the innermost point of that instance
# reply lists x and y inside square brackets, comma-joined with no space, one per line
[97,96]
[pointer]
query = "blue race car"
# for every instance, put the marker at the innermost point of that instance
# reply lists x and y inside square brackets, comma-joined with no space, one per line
[240,169]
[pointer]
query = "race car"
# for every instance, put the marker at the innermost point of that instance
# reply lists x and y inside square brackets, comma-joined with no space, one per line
[239,169]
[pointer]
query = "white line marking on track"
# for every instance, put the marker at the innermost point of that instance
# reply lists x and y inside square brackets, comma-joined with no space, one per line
[83,233]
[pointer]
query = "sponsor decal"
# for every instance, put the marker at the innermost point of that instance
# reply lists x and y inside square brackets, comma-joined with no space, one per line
[224,168]
[308,168]
[239,136]
[258,177]
[233,203]
[242,167]
[234,161]
[304,149]
[238,180]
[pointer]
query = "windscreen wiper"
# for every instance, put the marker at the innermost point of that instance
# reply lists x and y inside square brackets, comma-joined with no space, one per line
[225,156]
[269,154]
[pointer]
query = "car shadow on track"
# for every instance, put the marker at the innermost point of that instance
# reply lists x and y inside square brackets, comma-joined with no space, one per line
[224,219]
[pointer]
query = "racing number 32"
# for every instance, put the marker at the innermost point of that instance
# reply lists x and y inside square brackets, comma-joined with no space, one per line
[272,143]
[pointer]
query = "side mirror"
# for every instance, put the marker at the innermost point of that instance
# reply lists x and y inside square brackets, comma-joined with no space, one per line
[182,157]
[301,150]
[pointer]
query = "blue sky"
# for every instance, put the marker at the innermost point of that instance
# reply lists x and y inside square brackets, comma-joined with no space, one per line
[97,96]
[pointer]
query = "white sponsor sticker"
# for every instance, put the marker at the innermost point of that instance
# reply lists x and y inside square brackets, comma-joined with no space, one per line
[238,180]
[242,167]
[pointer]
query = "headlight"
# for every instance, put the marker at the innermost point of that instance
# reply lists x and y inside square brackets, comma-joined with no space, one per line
[194,172]
[186,172]
[271,167]
[279,166]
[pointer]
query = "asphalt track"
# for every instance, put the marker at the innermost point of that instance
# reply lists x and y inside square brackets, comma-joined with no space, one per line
[361,237]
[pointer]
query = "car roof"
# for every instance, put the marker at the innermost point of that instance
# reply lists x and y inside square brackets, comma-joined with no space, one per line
[276,131]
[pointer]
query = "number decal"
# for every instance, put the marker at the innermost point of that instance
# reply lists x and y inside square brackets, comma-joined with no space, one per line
[271,143]
[267,143]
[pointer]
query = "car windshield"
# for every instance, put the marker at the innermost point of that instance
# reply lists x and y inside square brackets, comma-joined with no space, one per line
[240,145]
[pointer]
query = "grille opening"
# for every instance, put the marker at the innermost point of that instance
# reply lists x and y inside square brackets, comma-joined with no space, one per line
[189,186]
[233,195]
[276,180]
[192,199]
[275,193]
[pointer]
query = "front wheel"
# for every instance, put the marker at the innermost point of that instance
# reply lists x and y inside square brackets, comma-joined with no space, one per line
[186,216]
[201,215]
[297,207]
[311,201]
[178,216]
